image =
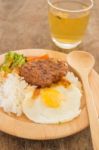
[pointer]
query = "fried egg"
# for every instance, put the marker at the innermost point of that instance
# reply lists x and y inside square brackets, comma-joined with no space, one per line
[54,104]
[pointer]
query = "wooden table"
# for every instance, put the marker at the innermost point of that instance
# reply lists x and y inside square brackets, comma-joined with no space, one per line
[24,24]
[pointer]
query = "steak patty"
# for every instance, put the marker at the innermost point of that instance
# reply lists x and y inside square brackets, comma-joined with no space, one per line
[43,73]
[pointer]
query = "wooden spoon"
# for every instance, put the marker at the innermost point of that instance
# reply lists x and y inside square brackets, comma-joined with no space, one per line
[82,63]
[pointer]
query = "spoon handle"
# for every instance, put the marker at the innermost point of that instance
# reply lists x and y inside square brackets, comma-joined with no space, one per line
[92,113]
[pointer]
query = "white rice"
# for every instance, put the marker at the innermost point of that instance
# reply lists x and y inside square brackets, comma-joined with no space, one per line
[74,80]
[12,92]
[14,89]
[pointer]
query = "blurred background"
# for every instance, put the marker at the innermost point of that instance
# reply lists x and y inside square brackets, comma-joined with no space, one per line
[24,24]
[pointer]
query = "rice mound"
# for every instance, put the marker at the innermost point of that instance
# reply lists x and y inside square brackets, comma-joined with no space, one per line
[12,93]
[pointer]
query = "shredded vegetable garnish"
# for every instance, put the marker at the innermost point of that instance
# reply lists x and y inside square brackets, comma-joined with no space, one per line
[12,60]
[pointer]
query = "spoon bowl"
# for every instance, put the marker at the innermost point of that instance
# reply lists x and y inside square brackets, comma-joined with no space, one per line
[82,61]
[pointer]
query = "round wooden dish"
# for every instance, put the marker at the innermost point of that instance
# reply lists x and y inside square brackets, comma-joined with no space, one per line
[22,127]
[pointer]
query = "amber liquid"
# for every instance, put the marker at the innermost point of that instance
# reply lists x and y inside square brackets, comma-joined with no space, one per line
[68,27]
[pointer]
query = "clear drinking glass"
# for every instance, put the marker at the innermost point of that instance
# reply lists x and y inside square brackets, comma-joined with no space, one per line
[68,20]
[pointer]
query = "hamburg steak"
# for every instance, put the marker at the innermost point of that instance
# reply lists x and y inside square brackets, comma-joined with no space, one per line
[43,73]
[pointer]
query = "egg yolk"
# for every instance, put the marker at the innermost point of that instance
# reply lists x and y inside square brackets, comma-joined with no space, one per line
[51,97]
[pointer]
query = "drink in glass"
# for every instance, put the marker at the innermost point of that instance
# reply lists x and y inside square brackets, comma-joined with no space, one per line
[68,20]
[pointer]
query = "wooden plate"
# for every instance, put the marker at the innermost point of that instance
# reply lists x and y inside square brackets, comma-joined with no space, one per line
[22,127]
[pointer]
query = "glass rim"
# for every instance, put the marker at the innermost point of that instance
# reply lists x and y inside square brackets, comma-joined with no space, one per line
[68,10]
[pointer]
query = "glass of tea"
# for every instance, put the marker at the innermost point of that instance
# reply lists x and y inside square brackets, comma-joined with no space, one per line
[68,20]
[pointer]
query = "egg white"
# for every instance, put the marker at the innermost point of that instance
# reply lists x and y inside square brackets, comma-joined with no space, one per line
[38,112]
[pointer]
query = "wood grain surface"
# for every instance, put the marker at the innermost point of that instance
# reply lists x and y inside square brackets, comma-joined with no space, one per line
[24,24]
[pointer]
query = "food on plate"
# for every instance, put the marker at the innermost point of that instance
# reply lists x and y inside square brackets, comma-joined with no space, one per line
[55,104]
[43,72]
[12,60]
[12,93]
[44,89]
[33,58]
